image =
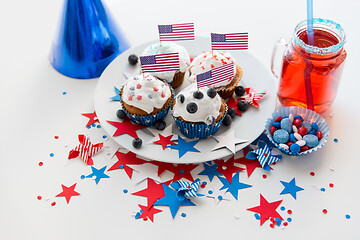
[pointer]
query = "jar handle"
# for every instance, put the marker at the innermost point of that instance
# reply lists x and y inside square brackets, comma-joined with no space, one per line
[275,55]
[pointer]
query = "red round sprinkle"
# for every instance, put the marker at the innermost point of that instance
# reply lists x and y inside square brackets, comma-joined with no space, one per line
[272,225]
[312,174]
[285,224]
[278,119]
[304,148]
[145,218]
[331,185]
[319,135]
[289,212]
[324,211]
[53,203]
[56,137]
[302,131]
[39,197]
[203,185]
[41,163]
[272,220]
[272,130]
[264,176]
[297,122]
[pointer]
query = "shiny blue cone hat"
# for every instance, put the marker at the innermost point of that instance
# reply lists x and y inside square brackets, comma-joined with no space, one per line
[87,41]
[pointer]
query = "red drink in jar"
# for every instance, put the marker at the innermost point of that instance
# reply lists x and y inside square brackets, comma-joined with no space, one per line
[311,74]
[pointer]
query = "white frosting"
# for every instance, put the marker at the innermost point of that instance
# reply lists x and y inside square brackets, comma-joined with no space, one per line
[145,94]
[207,61]
[207,106]
[169,47]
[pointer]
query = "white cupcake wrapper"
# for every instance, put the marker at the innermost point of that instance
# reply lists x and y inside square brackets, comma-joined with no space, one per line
[307,115]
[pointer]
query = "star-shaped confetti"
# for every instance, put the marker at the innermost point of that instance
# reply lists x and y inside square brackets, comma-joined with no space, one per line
[85,150]
[252,96]
[227,140]
[251,165]
[92,118]
[228,168]
[68,192]
[153,192]
[265,139]
[210,171]
[148,212]
[165,133]
[164,141]
[98,174]
[263,154]
[145,171]
[234,186]
[126,126]
[184,147]
[171,199]
[231,103]
[266,209]
[117,95]
[217,194]
[126,159]
[290,187]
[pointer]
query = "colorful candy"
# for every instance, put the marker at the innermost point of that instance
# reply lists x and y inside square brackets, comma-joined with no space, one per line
[286,124]
[302,131]
[281,136]
[311,140]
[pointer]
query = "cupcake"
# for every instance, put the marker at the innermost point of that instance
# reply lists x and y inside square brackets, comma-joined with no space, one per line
[146,99]
[198,113]
[209,60]
[174,78]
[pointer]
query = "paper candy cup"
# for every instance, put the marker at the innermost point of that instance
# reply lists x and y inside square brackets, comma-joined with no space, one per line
[198,130]
[148,120]
[307,115]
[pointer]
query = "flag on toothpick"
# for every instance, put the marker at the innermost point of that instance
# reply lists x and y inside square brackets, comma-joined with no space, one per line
[176,32]
[160,62]
[215,75]
[229,41]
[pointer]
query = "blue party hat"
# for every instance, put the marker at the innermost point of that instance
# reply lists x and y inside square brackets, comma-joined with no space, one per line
[87,41]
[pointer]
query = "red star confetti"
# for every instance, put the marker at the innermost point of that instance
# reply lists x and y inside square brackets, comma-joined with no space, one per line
[85,149]
[228,168]
[126,126]
[153,192]
[163,166]
[182,171]
[92,118]
[164,141]
[266,209]
[252,96]
[68,192]
[231,103]
[126,159]
[148,212]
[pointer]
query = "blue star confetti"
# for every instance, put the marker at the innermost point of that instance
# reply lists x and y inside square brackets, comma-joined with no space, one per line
[117,96]
[234,186]
[263,154]
[98,173]
[290,187]
[210,171]
[184,147]
[172,200]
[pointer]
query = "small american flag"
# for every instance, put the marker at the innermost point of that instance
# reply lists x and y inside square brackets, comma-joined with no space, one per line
[229,41]
[176,32]
[215,75]
[160,62]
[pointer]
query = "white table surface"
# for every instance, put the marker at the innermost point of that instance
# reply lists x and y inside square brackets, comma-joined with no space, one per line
[33,110]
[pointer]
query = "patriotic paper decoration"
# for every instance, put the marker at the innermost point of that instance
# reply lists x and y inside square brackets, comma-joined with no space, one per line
[252,96]
[264,156]
[229,41]
[176,32]
[186,189]
[160,62]
[85,150]
[215,75]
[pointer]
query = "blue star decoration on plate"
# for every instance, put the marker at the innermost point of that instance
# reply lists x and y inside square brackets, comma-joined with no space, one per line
[98,173]
[290,187]
[184,147]
[263,155]
[234,186]
[210,171]
[117,96]
[172,200]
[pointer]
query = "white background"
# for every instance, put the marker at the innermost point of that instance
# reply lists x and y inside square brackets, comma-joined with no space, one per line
[33,110]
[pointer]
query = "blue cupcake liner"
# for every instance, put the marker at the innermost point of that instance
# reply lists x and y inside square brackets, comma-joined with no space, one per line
[148,120]
[309,116]
[198,130]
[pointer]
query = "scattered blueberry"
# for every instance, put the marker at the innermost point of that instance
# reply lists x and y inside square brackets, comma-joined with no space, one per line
[227,120]
[181,98]
[211,92]
[281,136]
[137,143]
[239,91]
[133,59]
[160,125]
[121,114]
[192,107]
[242,105]
[232,112]
[198,95]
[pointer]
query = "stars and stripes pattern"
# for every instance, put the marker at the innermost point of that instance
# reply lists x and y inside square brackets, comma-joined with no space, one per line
[265,157]
[215,75]
[160,62]
[252,96]
[176,32]
[85,149]
[189,189]
[229,41]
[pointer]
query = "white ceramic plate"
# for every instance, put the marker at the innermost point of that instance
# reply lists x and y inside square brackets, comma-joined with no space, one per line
[248,127]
